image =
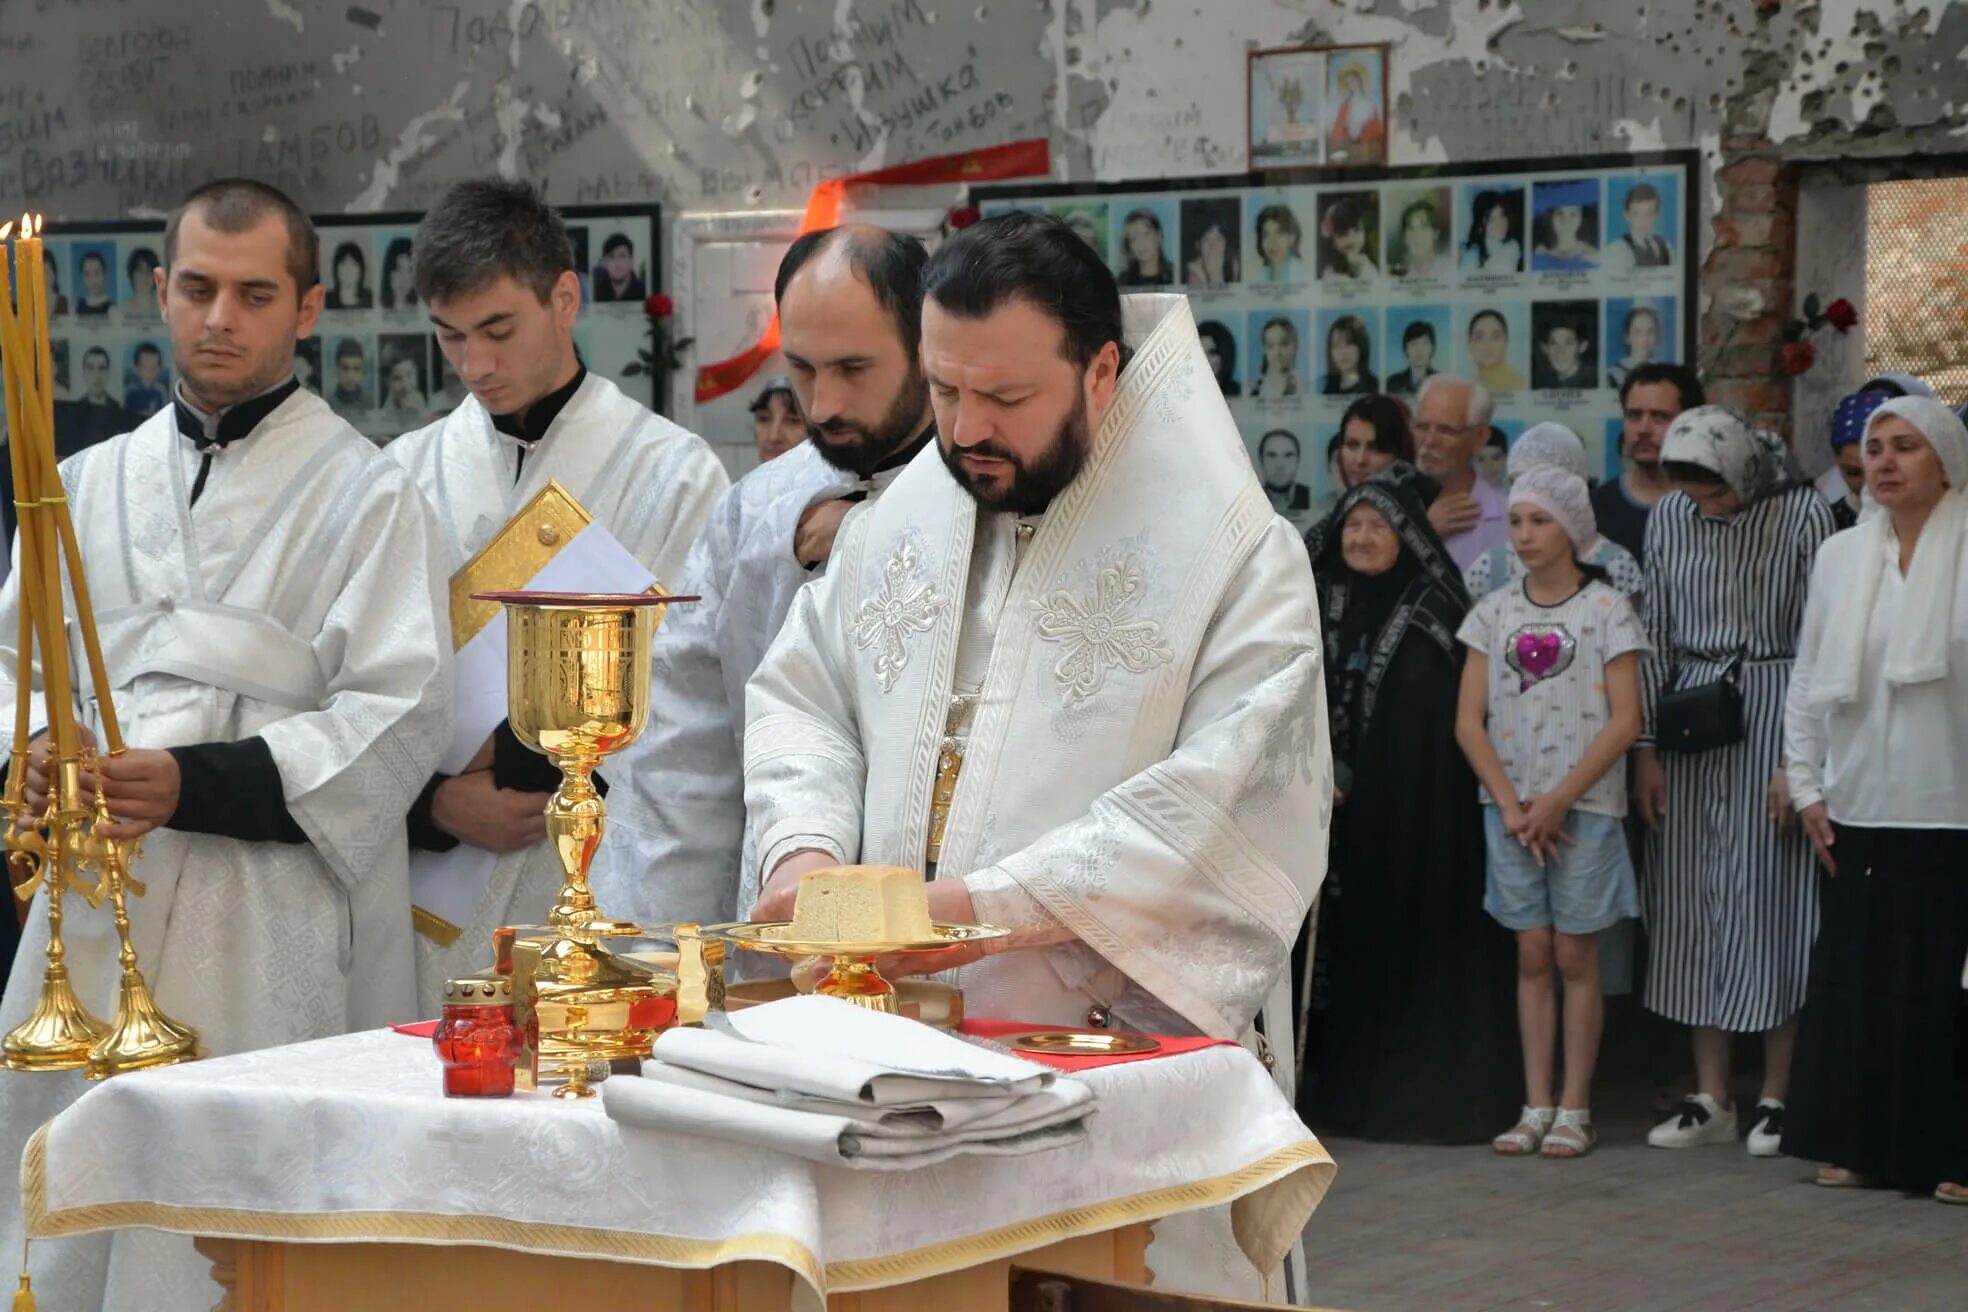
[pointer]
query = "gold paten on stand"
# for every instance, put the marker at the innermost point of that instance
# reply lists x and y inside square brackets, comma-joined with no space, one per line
[577,689]
[854,977]
[65,841]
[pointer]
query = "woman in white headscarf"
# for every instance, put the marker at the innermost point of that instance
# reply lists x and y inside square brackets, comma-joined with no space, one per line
[1876,736]
[1729,894]
[1550,444]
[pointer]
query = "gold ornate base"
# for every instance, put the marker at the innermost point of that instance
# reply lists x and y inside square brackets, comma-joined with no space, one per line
[860,983]
[58,1034]
[142,1037]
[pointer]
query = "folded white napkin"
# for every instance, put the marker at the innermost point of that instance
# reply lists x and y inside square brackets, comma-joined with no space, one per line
[835,1083]
[1006,1115]
[835,1139]
[821,1047]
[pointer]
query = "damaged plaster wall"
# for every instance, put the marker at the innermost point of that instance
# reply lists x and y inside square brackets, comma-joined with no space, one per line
[111,109]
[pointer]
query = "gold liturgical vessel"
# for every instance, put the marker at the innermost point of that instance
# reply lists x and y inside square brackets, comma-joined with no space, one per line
[577,689]
[62,843]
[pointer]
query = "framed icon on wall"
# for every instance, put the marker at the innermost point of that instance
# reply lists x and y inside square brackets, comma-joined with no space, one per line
[1318,106]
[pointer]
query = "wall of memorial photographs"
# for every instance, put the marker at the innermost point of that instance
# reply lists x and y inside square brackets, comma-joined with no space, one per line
[373,355]
[1546,280]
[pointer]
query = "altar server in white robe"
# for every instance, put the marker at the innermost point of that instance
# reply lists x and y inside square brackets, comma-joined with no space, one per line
[850,312]
[268,591]
[496,271]
[1080,611]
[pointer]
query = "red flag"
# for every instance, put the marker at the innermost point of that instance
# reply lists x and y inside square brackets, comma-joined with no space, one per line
[1019,159]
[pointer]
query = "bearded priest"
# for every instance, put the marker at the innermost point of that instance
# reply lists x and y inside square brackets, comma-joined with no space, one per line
[268,590]
[1070,665]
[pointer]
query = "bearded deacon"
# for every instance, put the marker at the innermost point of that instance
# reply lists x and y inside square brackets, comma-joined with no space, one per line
[850,313]
[496,271]
[267,588]
[1070,664]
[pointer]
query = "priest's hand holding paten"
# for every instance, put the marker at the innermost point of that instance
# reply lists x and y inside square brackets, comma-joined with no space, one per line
[869,922]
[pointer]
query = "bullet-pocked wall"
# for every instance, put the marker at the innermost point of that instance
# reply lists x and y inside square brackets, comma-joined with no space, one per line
[113,108]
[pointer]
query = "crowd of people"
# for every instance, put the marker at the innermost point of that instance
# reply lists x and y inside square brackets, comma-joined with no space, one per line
[1533,743]
[1695,731]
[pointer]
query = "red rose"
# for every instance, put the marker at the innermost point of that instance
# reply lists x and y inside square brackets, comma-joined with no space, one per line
[658,306]
[1842,315]
[963,216]
[1798,357]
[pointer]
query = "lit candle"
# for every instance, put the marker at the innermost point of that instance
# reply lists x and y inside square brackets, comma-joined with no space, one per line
[31,276]
[24,644]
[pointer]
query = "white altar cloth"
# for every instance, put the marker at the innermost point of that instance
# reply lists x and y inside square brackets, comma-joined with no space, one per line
[351,1140]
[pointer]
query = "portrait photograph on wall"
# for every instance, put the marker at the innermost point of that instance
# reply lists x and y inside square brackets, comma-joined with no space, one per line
[373,356]
[1309,295]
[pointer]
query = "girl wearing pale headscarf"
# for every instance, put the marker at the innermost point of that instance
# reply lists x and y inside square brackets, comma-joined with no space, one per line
[1876,736]
[1551,444]
[1730,892]
[1550,703]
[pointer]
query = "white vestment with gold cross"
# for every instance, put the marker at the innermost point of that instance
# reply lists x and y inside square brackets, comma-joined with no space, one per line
[1145,787]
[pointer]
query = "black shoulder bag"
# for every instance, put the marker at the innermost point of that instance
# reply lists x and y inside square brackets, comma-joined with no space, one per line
[1710,715]
[1704,717]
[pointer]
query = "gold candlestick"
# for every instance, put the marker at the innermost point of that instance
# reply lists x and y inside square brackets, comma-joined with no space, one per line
[57,846]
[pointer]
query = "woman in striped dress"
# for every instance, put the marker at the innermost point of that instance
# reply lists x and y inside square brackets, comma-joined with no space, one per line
[1730,894]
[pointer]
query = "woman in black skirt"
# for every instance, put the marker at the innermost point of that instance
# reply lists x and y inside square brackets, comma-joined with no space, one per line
[1876,735]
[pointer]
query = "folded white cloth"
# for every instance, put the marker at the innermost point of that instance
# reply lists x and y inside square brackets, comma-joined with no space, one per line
[835,1083]
[907,1121]
[821,1047]
[683,1102]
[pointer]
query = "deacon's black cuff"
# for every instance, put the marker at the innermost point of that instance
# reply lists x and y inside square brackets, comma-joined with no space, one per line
[233,790]
[425,836]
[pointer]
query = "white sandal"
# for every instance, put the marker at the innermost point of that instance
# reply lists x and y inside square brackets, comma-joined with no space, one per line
[1523,1138]
[1572,1133]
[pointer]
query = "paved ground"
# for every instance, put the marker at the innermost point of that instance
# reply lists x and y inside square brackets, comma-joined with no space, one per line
[1630,1228]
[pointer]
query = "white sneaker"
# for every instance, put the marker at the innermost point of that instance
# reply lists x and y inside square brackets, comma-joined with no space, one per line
[1766,1129]
[1698,1120]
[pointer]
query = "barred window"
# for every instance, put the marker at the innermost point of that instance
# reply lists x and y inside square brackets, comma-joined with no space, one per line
[1917,281]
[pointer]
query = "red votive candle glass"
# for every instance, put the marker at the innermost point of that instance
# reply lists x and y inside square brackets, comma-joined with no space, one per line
[477,1040]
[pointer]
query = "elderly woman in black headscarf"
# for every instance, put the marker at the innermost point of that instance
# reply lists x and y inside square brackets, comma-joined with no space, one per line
[1411,1032]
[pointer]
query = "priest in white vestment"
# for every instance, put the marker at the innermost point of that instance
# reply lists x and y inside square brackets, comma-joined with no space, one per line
[1071,664]
[268,591]
[850,310]
[494,268]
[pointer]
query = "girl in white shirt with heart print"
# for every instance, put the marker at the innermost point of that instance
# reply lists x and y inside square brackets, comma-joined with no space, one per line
[1550,704]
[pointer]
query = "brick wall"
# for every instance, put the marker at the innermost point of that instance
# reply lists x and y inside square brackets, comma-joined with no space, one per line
[1748,279]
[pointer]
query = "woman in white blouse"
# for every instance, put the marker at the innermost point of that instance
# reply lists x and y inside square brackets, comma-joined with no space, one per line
[1876,736]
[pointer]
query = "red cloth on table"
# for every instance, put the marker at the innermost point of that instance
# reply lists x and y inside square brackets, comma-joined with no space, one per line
[997,1029]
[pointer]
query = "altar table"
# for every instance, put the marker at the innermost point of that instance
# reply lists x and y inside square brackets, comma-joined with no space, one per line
[335,1174]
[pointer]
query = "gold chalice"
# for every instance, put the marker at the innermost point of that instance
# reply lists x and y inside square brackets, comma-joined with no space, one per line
[577,690]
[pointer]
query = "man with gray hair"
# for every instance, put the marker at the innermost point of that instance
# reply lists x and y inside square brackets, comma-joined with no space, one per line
[1451,424]
[495,270]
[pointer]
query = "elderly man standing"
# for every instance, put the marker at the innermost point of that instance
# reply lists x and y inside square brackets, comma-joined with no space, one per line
[1452,422]
[1070,664]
